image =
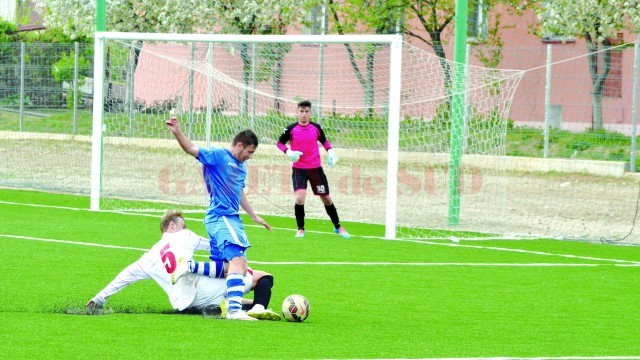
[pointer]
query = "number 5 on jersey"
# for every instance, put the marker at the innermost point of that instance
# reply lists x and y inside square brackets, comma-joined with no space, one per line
[168,258]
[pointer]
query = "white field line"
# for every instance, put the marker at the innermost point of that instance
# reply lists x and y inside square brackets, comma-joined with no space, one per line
[71,242]
[361,263]
[537,358]
[426,242]
[635,263]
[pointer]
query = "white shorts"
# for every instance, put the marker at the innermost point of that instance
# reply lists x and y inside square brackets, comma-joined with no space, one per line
[211,291]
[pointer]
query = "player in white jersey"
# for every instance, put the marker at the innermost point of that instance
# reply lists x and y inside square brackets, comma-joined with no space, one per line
[192,291]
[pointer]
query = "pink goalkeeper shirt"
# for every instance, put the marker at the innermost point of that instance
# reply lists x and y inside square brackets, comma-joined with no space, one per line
[304,139]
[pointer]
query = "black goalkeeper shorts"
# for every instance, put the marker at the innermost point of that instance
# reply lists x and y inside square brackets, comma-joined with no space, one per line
[316,177]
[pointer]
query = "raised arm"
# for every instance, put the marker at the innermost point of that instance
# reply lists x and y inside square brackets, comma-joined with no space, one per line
[186,144]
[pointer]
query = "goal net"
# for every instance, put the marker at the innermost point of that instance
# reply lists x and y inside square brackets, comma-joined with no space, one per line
[389,109]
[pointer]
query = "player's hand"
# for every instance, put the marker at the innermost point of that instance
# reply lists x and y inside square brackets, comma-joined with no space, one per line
[333,158]
[261,221]
[92,304]
[294,155]
[173,124]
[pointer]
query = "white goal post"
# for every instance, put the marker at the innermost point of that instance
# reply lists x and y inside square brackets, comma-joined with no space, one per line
[394,42]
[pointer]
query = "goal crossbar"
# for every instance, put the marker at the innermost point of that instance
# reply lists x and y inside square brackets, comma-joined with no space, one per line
[231,38]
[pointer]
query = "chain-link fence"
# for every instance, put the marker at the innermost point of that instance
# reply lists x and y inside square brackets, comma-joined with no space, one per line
[46,87]
[39,83]
[586,115]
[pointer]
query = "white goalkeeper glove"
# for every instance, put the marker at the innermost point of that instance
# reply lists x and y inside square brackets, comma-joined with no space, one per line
[333,158]
[293,155]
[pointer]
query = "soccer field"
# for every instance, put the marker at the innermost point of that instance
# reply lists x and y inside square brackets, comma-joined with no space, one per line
[370,297]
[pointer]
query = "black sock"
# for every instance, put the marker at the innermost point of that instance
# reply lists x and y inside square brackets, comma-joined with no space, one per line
[299,209]
[262,292]
[333,214]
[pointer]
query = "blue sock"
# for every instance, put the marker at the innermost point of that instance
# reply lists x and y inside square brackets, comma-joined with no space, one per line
[214,269]
[235,291]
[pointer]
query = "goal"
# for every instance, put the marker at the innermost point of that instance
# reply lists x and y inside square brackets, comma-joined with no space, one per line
[388,109]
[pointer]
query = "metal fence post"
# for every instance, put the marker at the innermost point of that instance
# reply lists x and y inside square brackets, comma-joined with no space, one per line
[76,64]
[209,96]
[191,85]
[465,105]
[321,63]
[130,87]
[253,85]
[547,102]
[22,56]
[634,108]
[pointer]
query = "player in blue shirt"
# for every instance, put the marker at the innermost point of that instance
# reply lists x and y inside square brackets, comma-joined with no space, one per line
[224,172]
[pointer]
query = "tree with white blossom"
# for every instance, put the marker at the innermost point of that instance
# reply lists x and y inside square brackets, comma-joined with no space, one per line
[77,18]
[260,17]
[598,22]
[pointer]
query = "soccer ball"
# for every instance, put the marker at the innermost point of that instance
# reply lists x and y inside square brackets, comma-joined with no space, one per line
[295,308]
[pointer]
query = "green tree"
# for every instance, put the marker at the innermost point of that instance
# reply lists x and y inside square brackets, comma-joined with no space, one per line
[8,32]
[8,56]
[63,71]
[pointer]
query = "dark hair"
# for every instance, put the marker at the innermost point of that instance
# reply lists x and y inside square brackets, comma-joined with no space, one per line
[246,137]
[304,103]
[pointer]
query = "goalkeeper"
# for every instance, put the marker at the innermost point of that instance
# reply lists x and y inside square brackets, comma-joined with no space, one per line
[225,172]
[303,152]
[192,293]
